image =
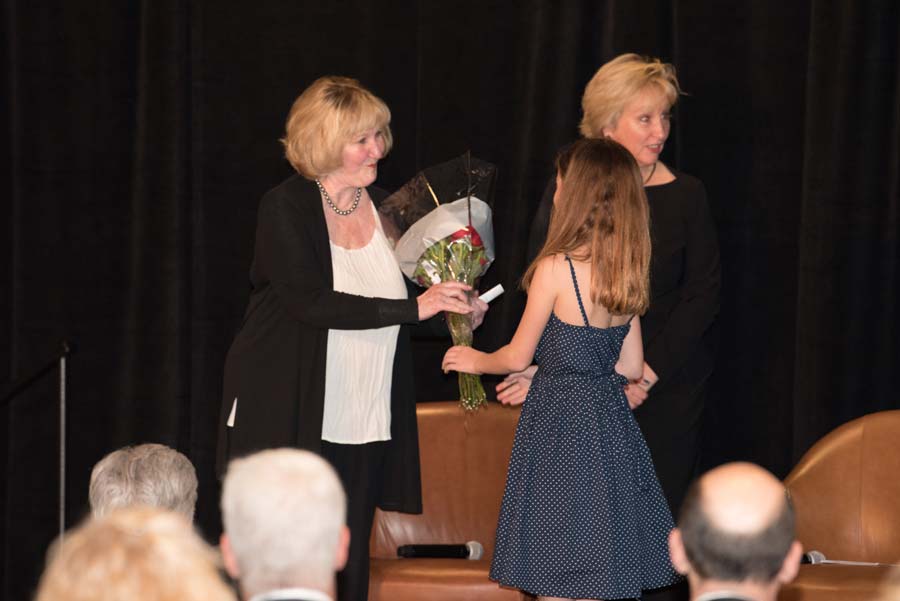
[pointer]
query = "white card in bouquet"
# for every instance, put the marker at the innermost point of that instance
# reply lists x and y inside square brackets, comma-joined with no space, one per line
[492,293]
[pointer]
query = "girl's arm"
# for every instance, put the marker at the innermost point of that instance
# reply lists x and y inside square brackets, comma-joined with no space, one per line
[631,357]
[516,355]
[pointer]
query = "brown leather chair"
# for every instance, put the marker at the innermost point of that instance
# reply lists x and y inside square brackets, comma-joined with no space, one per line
[464,460]
[846,493]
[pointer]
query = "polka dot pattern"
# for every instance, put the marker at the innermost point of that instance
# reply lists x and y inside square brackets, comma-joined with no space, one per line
[583,514]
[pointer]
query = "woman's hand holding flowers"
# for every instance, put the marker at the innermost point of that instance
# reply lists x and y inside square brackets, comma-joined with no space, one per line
[445,296]
[479,308]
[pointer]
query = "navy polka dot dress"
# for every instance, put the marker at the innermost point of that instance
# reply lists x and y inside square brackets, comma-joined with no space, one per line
[583,515]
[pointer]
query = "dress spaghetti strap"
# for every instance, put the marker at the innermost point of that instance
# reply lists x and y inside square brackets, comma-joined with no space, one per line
[577,291]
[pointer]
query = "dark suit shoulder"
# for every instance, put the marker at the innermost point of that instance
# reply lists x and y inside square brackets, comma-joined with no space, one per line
[291,185]
[296,192]
[303,193]
[687,178]
[684,184]
[682,198]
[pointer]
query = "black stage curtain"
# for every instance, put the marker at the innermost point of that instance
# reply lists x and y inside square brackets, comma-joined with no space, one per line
[140,135]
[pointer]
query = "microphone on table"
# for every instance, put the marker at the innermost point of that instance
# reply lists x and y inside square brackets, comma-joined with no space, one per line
[471,550]
[818,558]
[812,557]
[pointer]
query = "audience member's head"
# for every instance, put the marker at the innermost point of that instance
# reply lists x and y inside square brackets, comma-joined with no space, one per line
[284,517]
[144,553]
[147,474]
[736,533]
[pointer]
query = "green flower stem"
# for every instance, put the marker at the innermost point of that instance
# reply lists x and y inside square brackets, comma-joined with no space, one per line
[471,390]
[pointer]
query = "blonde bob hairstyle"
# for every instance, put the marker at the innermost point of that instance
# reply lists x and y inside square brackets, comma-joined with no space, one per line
[616,83]
[133,553]
[601,216]
[330,113]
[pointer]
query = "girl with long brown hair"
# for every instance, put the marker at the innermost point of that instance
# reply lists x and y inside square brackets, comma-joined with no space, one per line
[583,515]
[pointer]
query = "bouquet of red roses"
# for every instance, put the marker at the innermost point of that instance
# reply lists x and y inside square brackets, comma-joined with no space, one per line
[442,247]
[449,241]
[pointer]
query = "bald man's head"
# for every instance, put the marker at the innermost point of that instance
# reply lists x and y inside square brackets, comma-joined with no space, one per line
[737,524]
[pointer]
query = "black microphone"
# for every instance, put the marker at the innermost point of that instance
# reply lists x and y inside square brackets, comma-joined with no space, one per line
[817,557]
[813,557]
[471,550]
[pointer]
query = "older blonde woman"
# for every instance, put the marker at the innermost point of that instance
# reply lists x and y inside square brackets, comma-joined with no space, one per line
[133,553]
[322,360]
[629,99]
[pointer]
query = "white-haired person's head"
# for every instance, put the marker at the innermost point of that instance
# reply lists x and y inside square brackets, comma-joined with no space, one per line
[146,553]
[146,474]
[284,514]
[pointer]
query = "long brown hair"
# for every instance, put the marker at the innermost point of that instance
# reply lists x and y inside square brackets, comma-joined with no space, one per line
[601,216]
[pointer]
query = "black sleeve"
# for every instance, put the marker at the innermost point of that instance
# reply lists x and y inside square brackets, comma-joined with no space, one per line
[289,246]
[541,223]
[698,302]
[435,326]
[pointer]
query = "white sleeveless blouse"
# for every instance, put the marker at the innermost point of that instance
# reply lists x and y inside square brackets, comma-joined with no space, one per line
[359,364]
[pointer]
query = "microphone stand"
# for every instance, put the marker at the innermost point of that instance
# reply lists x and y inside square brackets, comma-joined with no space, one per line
[66,348]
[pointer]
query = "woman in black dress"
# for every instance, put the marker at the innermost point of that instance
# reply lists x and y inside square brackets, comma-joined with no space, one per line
[322,360]
[629,100]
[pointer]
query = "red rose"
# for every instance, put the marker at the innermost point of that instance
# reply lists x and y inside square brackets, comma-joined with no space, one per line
[459,234]
[476,239]
[467,231]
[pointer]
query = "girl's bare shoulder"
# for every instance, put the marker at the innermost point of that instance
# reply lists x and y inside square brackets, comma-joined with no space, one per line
[551,264]
[550,271]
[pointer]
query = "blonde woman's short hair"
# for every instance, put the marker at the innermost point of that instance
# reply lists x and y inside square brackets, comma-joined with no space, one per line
[133,553]
[325,117]
[616,83]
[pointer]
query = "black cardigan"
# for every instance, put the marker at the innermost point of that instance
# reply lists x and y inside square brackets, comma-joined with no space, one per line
[276,364]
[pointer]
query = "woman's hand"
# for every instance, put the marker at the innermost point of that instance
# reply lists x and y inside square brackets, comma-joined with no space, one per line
[461,359]
[514,388]
[446,296]
[635,394]
[479,308]
[637,391]
[648,378]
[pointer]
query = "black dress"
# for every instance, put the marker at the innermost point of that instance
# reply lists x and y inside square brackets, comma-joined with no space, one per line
[583,515]
[679,327]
